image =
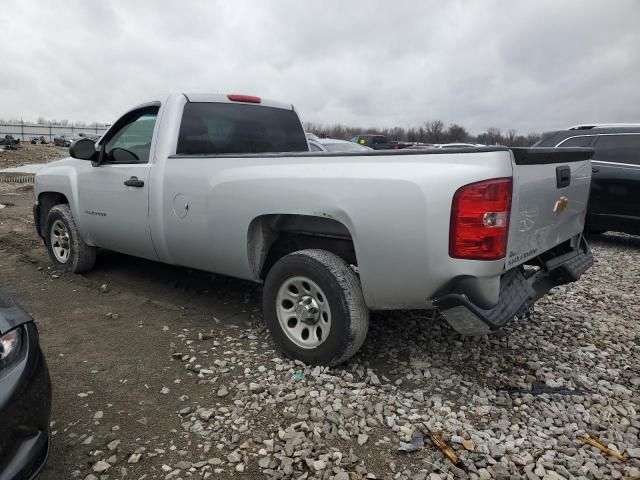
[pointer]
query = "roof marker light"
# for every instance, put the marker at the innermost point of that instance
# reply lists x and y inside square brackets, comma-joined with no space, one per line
[244,98]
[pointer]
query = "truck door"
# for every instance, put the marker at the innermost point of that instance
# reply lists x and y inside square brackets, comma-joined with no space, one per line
[114,196]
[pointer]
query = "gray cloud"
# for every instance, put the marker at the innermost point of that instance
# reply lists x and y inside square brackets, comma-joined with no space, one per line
[532,66]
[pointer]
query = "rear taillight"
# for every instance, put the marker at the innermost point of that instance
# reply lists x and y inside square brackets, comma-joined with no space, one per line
[480,220]
[244,98]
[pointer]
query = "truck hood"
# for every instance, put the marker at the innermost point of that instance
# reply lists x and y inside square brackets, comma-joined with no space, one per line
[57,163]
[11,316]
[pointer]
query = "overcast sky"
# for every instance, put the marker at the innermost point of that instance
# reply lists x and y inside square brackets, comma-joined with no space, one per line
[529,65]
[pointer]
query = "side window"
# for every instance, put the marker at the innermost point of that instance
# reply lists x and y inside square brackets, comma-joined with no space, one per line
[132,141]
[582,141]
[314,147]
[618,148]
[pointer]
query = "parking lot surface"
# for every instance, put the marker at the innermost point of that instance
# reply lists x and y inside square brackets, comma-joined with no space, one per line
[163,372]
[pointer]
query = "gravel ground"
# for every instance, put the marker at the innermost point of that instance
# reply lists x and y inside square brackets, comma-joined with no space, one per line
[167,373]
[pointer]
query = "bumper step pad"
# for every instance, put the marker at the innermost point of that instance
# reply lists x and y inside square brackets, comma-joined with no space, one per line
[517,294]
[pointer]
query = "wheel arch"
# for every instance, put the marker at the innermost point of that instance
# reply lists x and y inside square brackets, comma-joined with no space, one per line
[273,236]
[46,201]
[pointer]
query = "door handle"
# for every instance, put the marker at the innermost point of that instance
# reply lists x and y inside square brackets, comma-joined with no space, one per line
[594,170]
[563,176]
[134,182]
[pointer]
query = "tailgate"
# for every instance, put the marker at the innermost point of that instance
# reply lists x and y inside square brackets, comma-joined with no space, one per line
[550,195]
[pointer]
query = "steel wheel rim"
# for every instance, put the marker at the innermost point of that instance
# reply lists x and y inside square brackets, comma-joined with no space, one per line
[60,241]
[296,303]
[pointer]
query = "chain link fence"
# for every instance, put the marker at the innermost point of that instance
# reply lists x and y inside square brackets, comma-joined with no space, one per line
[24,130]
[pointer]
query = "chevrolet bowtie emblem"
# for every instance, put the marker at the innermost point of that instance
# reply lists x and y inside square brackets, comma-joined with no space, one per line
[561,205]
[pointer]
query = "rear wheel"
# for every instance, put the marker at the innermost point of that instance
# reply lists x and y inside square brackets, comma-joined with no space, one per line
[66,247]
[314,307]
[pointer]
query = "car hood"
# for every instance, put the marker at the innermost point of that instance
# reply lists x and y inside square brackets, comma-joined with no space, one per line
[11,316]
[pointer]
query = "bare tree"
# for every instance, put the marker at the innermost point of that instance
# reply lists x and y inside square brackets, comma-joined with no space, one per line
[493,136]
[434,131]
[533,138]
[457,133]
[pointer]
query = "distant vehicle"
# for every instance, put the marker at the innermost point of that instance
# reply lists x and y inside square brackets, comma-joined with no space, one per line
[335,145]
[65,139]
[25,395]
[312,136]
[419,146]
[422,146]
[34,140]
[379,142]
[614,203]
[91,136]
[315,145]
[9,140]
[457,145]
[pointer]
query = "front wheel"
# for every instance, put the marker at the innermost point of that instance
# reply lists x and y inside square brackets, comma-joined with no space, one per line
[314,307]
[64,243]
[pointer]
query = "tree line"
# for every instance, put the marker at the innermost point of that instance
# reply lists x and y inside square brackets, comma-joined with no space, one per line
[430,132]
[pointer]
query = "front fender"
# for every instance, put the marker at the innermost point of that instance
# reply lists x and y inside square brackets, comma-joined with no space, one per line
[60,177]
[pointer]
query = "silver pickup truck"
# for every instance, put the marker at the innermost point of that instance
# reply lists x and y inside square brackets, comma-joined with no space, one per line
[226,184]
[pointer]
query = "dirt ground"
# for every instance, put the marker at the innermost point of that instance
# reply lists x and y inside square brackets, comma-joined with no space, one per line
[28,153]
[116,338]
[115,363]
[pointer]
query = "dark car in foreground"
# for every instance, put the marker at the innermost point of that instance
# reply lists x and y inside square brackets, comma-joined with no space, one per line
[25,395]
[614,203]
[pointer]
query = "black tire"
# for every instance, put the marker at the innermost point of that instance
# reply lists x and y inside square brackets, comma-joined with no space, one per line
[81,257]
[341,286]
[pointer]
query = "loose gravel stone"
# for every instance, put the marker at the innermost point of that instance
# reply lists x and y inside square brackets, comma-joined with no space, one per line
[512,405]
[101,466]
[113,445]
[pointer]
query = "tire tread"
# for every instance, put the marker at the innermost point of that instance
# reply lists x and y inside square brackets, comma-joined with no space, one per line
[83,256]
[353,301]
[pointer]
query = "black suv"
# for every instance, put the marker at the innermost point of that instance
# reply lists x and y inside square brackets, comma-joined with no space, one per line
[614,203]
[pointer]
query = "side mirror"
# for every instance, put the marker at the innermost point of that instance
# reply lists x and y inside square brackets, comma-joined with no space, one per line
[83,149]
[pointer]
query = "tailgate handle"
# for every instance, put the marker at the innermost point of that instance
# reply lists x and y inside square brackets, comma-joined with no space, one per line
[563,176]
